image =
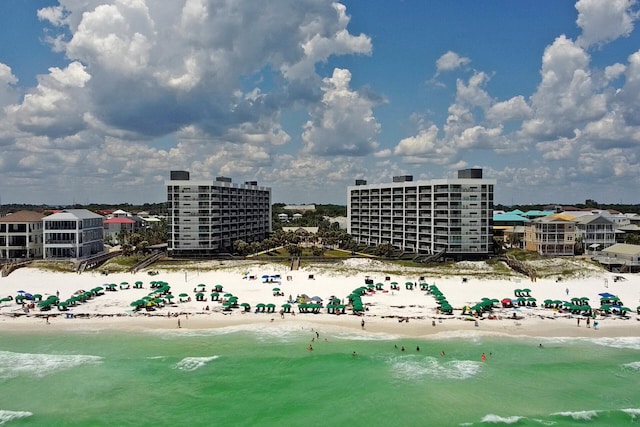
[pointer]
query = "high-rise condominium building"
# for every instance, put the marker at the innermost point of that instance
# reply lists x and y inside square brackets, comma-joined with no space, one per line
[207,217]
[452,217]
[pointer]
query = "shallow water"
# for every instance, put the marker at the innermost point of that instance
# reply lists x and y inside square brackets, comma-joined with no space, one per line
[269,377]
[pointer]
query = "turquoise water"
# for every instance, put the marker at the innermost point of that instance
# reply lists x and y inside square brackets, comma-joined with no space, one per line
[269,377]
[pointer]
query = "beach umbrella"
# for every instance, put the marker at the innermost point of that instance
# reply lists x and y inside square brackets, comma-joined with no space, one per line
[199,294]
[276,289]
[201,285]
[606,295]
[316,298]
[183,295]
[218,288]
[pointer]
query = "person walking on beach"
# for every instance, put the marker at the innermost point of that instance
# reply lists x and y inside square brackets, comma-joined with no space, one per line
[362,323]
[179,326]
[578,322]
[588,322]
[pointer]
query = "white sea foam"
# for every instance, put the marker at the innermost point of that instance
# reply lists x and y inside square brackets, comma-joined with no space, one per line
[633,365]
[578,415]
[410,368]
[193,363]
[39,365]
[619,342]
[6,416]
[497,419]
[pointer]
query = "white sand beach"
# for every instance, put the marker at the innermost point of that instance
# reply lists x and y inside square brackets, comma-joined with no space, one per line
[400,312]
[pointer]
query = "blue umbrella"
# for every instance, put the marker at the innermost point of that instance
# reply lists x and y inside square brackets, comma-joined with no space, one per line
[606,295]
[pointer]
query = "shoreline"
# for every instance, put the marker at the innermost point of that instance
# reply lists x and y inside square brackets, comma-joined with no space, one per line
[562,327]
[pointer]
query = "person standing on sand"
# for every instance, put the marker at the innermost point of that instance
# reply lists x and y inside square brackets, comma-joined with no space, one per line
[588,322]
[362,324]
[179,325]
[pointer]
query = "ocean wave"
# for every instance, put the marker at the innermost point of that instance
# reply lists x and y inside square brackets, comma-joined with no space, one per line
[632,343]
[6,416]
[193,363]
[410,368]
[632,365]
[40,365]
[497,419]
[578,415]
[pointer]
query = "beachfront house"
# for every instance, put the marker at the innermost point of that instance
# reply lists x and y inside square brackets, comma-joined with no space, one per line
[620,257]
[452,217]
[595,232]
[206,217]
[73,234]
[552,235]
[21,235]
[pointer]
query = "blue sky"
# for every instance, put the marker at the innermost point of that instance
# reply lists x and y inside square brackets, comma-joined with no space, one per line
[100,99]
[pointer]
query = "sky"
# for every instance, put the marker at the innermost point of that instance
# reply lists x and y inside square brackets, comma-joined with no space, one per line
[100,99]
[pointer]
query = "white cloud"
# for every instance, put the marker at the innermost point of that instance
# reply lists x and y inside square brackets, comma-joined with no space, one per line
[515,108]
[343,122]
[567,96]
[450,61]
[603,21]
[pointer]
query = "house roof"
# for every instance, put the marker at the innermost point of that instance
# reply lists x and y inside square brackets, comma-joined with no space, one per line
[119,220]
[554,218]
[509,216]
[22,216]
[587,219]
[623,249]
[74,214]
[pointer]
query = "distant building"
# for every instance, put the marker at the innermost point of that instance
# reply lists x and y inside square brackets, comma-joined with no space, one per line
[452,216]
[283,217]
[509,228]
[301,208]
[113,227]
[207,217]
[21,235]
[73,234]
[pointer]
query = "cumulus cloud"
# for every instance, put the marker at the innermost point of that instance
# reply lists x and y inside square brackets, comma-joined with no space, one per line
[343,123]
[604,21]
[450,61]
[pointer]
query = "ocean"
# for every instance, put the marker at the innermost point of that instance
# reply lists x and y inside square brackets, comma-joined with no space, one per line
[269,377]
